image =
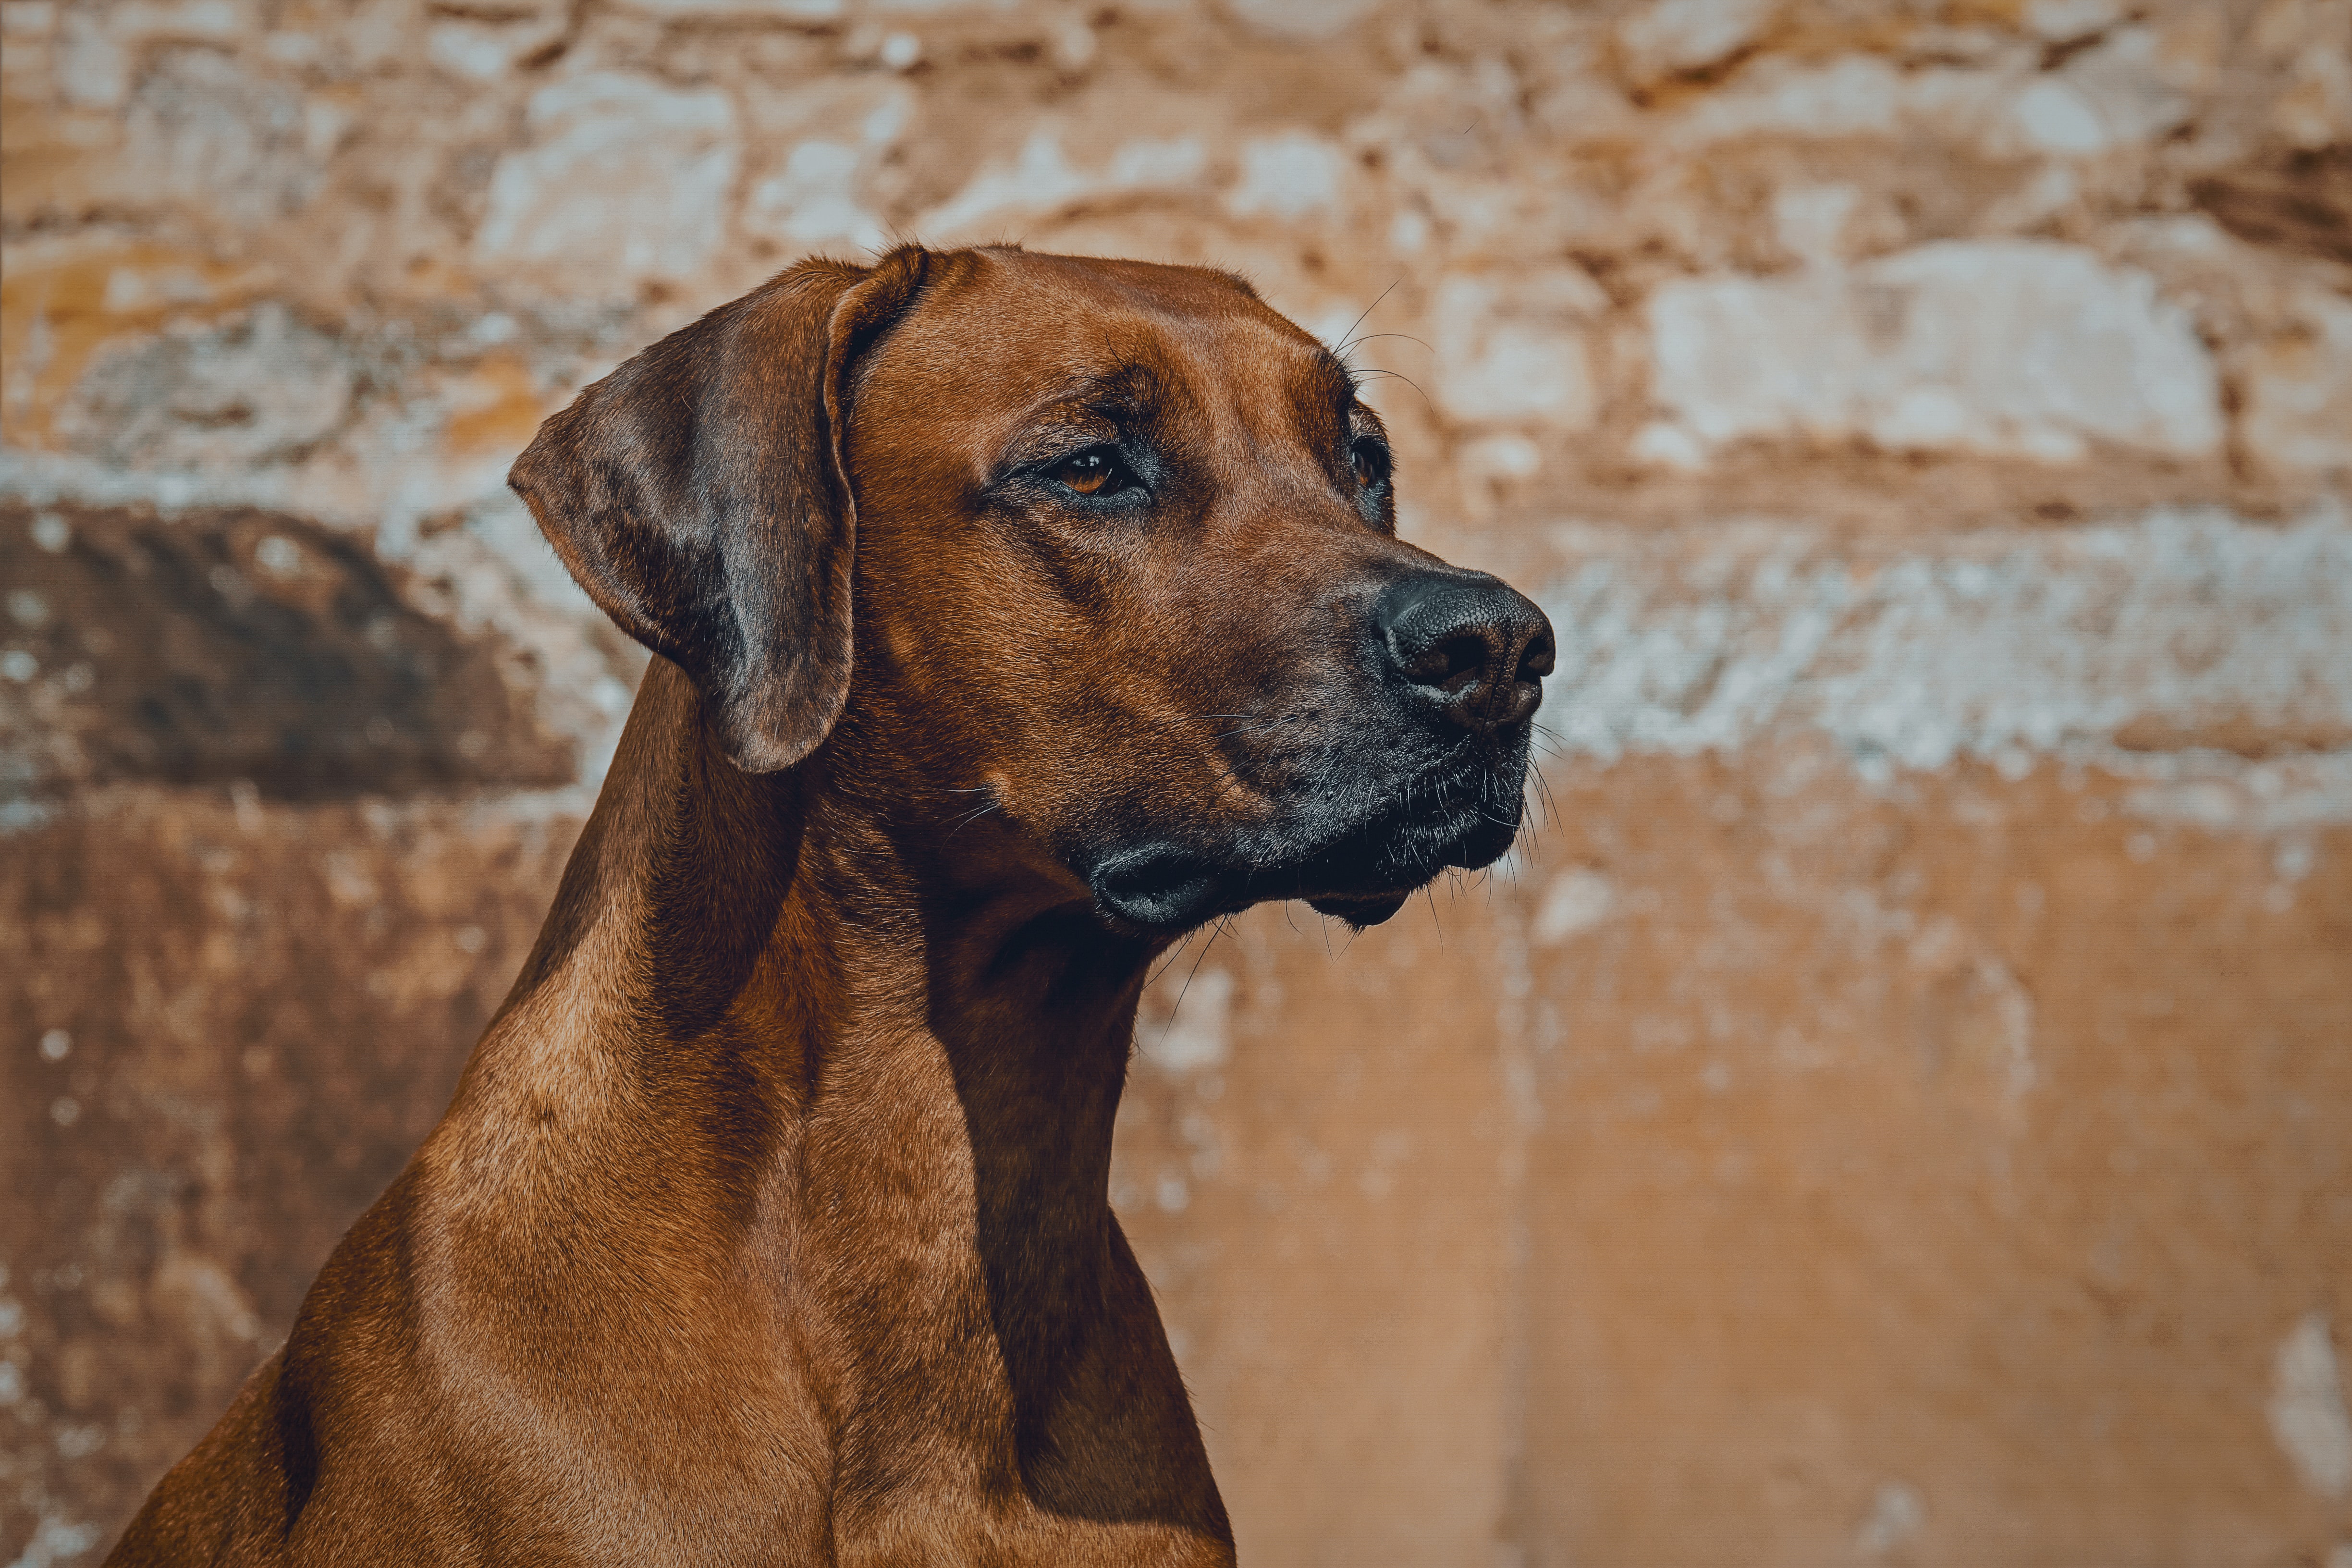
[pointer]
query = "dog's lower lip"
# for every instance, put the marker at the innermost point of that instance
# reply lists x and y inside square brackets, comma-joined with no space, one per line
[1399,817]
[1165,886]
[1158,886]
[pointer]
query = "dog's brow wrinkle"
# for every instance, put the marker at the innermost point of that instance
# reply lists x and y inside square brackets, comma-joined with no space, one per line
[1120,395]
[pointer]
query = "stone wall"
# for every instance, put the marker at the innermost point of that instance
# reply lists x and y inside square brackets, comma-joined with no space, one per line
[1898,1107]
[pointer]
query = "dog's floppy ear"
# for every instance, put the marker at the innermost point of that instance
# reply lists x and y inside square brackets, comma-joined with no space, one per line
[697,494]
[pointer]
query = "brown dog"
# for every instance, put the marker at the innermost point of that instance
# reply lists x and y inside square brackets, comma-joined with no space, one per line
[1016,613]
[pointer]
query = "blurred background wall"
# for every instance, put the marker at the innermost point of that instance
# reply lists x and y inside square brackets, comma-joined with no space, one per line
[1896,1108]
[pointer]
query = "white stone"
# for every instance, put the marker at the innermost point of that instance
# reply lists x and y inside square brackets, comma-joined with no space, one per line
[882,125]
[137,290]
[470,50]
[2308,1419]
[2122,93]
[1511,352]
[1041,180]
[1576,901]
[1718,635]
[2315,109]
[1854,95]
[2063,21]
[2010,348]
[2052,190]
[194,21]
[253,392]
[484,51]
[1289,175]
[2299,392]
[813,200]
[56,1540]
[623,180]
[1857,95]
[297,51]
[93,71]
[2139,91]
[1305,19]
[1074,46]
[1198,1033]
[1896,1512]
[1669,38]
[735,10]
[1504,455]
[1810,221]
[1660,445]
[2052,117]
[204,134]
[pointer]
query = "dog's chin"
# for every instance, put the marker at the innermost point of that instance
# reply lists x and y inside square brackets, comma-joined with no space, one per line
[1357,911]
[1362,878]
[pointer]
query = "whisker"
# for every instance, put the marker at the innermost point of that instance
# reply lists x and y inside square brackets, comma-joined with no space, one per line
[1215,931]
[1169,962]
[1346,341]
[970,817]
[1399,376]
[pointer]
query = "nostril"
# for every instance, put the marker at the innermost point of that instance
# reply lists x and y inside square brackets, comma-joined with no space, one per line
[1452,664]
[1539,657]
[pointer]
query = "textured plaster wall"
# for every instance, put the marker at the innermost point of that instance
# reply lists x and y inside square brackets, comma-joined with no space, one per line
[1897,1108]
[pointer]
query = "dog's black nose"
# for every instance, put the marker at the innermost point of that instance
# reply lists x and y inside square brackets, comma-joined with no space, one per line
[1476,645]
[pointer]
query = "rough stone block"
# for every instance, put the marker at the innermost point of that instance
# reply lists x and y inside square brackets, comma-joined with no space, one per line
[1041,180]
[1514,353]
[1315,1164]
[207,135]
[1912,1183]
[624,181]
[1302,19]
[2177,629]
[2299,392]
[1290,177]
[2006,348]
[740,11]
[813,200]
[1669,37]
[263,387]
[2127,90]
[229,1022]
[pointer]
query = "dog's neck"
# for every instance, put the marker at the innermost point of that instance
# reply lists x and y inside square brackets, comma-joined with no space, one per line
[962,1080]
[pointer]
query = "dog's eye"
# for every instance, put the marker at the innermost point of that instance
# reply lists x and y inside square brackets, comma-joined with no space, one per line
[1370,461]
[1096,471]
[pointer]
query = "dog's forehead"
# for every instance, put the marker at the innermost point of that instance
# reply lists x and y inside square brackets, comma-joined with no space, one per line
[1033,329]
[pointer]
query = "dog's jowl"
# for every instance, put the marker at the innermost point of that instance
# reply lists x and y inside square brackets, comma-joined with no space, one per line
[1015,614]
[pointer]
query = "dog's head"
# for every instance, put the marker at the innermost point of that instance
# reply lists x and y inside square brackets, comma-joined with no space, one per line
[1101,551]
